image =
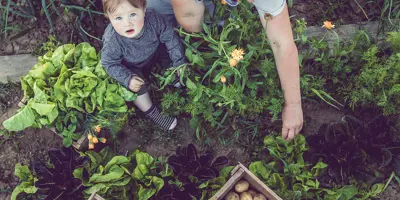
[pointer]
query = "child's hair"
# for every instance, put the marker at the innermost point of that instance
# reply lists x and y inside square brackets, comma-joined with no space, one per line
[109,6]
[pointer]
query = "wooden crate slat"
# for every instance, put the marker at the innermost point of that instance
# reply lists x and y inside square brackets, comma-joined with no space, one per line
[241,172]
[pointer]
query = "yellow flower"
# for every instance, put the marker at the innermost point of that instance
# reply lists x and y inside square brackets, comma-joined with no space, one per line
[103,140]
[95,140]
[328,25]
[90,137]
[97,128]
[91,146]
[223,79]
[233,62]
[237,54]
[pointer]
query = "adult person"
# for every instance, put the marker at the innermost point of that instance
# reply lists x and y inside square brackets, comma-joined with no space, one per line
[189,14]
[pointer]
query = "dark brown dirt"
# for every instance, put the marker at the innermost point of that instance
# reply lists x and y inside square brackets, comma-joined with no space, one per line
[392,192]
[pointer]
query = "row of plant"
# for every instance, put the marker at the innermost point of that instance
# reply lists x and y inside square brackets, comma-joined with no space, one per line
[76,175]
[295,169]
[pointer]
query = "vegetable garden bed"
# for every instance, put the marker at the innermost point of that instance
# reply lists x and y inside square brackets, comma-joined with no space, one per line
[351,153]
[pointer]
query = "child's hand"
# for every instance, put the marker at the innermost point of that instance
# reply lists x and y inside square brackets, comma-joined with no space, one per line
[136,83]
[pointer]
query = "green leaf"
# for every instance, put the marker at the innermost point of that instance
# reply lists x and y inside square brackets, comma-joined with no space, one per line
[225,172]
[143,158]
[43,109]
[277,182]
[146,193]
[23,172]
[269,140]
[78,173]
[190,85]
[117,160]
[23,119]
[26,187]
[127,94]
[97,187]
[158,182]
[140,172]
[259,169]
[115,172]
[318,169]
[67,141]
[377,189]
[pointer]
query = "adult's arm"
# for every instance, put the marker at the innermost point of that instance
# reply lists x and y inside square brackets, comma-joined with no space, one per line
[280,36]
[189,14]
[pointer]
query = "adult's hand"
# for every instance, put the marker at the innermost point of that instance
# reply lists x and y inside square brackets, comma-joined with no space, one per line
[292,120]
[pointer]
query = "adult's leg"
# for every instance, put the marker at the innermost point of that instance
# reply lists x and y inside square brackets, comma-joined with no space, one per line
[165,8]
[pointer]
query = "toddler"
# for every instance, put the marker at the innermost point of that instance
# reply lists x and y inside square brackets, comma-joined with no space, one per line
[136,38]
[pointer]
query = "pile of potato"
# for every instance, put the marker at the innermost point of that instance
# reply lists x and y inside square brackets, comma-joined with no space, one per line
[242,192]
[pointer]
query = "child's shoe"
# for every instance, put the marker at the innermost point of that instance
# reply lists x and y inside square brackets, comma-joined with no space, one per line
[165,122]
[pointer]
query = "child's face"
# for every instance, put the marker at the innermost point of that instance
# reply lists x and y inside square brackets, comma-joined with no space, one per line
[127,20]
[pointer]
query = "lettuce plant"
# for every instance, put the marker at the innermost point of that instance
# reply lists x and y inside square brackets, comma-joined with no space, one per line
[65,86]
[27,181]
[120,177]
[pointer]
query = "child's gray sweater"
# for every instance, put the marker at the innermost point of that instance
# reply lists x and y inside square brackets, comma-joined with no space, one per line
[137,51]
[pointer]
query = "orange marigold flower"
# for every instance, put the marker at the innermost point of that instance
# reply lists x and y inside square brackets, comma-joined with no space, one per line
[223,79]
[103,140]
[95,140]
[233,62]
[328,25]
[97,128]
[237,54]
[223,2]
[91,146]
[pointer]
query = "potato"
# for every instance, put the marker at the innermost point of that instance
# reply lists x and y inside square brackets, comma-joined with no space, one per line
[259,197]
[241,186]
[246,196]
[252,192]
[232,196]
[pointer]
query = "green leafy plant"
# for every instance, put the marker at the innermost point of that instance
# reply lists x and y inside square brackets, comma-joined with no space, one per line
[106,174]
[66,86]
[228,70]
[137,176]
[144,174]
[27,184]
[285,171]
[378,81]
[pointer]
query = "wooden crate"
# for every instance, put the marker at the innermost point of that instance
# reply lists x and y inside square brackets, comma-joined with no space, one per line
[79,145]
[241,172]
[95,196]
